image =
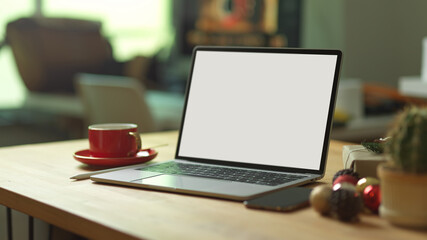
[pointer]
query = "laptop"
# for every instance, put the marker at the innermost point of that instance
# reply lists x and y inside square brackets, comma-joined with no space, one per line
[255,120]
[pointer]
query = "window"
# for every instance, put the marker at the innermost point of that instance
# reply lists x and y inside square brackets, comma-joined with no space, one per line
[11,88]
[134,27]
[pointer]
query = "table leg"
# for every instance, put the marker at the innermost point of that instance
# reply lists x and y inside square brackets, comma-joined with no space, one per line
[30,228]
[9,223]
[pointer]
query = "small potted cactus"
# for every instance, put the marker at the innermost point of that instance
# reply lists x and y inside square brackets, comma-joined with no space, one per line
[404,177]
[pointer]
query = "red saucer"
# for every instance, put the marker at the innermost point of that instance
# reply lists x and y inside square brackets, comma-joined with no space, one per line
[144,155]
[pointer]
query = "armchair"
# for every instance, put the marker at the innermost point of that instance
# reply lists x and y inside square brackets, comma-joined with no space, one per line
[50,51]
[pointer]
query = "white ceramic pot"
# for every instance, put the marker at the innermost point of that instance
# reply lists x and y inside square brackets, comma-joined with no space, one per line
[403,197]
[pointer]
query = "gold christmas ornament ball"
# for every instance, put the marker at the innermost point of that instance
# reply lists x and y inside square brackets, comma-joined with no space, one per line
[364,182]
[319,199]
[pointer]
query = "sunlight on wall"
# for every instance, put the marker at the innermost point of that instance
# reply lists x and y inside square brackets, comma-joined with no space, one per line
[12,89]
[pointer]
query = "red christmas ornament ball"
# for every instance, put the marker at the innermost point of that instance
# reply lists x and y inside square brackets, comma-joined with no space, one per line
[345,178]
[345,171]
[372,197]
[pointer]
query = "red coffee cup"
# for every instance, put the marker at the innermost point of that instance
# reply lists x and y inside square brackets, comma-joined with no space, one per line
[114,140]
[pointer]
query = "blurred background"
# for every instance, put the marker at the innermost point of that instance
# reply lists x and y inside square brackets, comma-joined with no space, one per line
[66,64]
[45,45]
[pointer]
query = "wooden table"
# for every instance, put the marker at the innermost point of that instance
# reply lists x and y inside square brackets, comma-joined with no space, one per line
[34,179]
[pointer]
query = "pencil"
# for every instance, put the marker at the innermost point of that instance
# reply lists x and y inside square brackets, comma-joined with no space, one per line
[89,174]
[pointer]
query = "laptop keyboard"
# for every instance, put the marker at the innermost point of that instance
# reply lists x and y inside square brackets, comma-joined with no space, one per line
[223,173]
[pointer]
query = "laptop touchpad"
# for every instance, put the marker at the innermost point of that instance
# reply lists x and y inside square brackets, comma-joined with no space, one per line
[179,182]
[201,185]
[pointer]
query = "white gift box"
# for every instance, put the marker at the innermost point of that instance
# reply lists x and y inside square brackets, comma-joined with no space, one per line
[361,160]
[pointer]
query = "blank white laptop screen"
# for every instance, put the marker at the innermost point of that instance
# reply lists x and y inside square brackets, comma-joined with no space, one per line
[258,107]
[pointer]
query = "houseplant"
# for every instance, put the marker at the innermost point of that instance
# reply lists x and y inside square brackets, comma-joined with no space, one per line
[404,177]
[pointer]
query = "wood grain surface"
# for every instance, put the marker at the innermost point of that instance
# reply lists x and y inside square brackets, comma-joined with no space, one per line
[34,179]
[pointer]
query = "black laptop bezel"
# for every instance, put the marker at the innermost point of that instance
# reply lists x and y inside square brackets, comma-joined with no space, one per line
[328,128]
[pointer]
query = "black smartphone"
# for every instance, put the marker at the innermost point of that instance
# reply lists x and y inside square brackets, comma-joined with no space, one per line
[285,200]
